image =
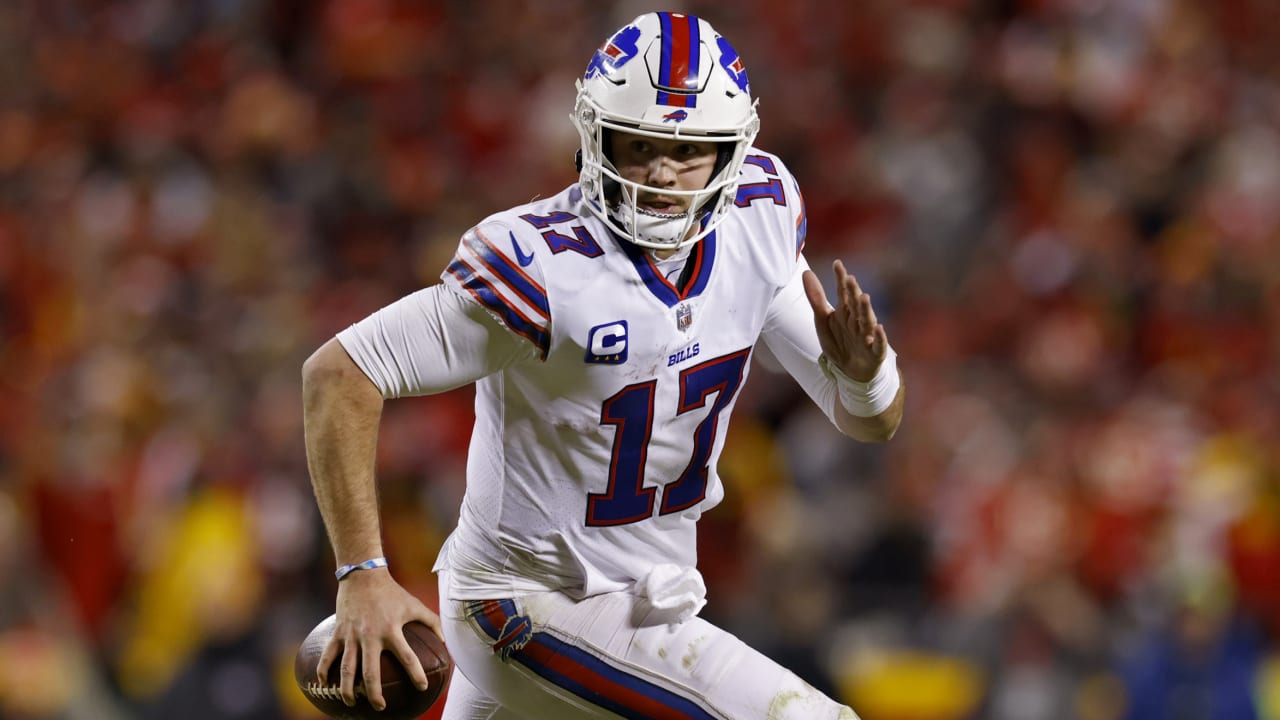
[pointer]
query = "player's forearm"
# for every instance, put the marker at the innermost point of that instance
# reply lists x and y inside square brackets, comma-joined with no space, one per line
[341,412]
[876,428]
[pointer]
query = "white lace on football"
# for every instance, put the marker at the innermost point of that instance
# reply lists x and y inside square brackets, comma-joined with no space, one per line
[329,692]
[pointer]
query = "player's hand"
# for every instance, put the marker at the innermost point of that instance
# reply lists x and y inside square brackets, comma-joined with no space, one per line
[372,610]
[851,337]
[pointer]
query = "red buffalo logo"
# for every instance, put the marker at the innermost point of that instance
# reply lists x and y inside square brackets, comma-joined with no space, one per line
[675,116]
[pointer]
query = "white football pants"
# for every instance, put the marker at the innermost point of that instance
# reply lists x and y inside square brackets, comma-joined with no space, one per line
[546,655]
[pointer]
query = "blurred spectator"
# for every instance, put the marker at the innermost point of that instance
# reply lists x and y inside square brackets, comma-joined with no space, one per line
[1201,662]
[1064,209]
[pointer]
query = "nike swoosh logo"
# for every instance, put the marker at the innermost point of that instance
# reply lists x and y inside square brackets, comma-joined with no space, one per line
[521,257]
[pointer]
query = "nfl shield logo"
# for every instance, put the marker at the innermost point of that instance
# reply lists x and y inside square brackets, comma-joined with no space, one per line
[684,317]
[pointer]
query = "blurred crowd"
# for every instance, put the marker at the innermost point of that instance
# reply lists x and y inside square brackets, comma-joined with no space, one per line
[1066,212]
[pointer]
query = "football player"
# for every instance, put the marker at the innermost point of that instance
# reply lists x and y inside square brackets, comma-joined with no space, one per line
[609,330]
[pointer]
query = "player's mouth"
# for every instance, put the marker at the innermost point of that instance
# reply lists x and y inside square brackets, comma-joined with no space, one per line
[660,206]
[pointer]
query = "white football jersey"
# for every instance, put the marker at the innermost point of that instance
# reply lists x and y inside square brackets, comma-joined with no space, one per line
[591,465]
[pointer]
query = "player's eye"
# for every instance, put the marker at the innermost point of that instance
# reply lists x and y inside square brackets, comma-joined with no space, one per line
[694,151]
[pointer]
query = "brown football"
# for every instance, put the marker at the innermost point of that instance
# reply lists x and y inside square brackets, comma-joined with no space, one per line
[404,701]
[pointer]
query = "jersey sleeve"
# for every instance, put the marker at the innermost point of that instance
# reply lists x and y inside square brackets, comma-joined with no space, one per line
[500,271]
[791,338]
[768,183]
[431,341]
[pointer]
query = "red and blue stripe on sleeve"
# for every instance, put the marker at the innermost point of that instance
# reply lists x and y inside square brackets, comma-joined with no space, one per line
[501,285]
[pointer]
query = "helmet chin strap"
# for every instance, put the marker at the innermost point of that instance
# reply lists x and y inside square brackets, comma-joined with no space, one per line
[658,228]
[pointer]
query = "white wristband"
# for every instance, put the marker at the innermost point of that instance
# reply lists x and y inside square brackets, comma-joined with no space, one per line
[866,399]
[345,570]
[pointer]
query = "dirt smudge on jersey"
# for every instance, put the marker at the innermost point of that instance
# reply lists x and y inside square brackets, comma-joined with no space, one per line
[778,709]
[691,657]
[805,702]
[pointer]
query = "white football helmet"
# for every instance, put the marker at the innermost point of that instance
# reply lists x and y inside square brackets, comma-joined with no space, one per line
[669,76]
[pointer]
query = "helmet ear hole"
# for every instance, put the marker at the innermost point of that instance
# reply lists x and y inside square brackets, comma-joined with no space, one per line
[577,160]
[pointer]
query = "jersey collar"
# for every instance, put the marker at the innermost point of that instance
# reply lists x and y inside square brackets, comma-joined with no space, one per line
[692,281]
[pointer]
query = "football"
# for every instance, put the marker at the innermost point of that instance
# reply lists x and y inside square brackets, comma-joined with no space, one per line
[404,701]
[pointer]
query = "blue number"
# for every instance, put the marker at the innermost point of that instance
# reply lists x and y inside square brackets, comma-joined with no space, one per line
[581,242]
[721,376]
[626,500]
[771,189]
[542,222]
[763,163]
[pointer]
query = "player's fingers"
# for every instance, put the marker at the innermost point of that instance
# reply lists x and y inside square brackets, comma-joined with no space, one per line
[852,281]
[347,681]
[332,650]
[409,660]
[879,343]
[372,658]
[822,310]
[817,296]
[431,620]
[867,316]
[842,285]
[859,297]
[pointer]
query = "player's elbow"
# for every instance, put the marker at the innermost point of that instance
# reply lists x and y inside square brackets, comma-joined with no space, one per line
[330,370]
[321,368]
[885,432]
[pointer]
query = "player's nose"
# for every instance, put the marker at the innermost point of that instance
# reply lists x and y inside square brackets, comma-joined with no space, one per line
[661,172]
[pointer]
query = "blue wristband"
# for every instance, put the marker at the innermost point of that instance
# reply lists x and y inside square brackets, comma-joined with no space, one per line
[346,570]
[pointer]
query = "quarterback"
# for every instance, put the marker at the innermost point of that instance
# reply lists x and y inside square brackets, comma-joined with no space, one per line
[608,330]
